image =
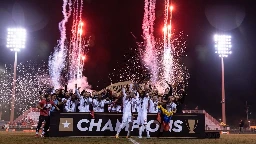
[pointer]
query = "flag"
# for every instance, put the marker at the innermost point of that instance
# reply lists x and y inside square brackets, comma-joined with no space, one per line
[164,117]
[91,111]
[92,114]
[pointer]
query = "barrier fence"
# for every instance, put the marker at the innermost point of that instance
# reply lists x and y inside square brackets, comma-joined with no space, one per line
[106,124]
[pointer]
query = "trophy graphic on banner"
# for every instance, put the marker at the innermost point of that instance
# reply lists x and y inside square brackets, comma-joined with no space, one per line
[191,125]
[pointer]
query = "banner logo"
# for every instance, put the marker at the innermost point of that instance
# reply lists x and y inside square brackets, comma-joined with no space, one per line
[66,124]
[191,125]
[99,125]
[107,124]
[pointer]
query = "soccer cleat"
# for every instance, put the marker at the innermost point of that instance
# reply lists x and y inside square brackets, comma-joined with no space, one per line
[148,136]
[128,136]
[140,137]
[42,135]
[36,135]
[117,136]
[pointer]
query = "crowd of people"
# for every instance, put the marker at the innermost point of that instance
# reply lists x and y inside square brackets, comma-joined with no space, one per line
[132,98]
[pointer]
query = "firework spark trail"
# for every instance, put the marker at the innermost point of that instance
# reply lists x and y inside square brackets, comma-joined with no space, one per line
[180,72]
[72,43]
[154,56]
[31,78]
[81,10]
[77,49]
[80,48]
[131,70]
[76,40]
[73,46]
[167,57]
[56,61]
[180,75]
[149,57]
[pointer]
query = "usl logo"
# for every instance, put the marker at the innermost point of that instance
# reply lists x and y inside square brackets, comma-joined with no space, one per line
[66,124]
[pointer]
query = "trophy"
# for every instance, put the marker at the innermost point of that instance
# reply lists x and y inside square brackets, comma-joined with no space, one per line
[191,125]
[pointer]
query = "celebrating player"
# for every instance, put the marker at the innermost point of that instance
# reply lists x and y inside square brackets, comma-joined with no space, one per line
[85,101]
[127,113]
[153,105]
[143,109]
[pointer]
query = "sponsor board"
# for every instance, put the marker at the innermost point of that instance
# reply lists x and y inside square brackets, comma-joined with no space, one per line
[106,124]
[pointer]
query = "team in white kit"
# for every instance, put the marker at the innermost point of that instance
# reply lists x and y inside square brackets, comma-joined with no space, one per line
[141,103]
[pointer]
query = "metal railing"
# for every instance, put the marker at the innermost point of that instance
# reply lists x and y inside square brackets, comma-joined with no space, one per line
[212,119]
[21,117]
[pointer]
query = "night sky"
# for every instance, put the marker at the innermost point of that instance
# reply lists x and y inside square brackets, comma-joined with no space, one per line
[110,23]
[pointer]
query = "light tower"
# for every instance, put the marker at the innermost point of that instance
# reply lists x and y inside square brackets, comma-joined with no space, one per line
[223,49]
[16,38]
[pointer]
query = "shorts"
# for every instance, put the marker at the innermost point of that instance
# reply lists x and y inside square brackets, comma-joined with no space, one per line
[127,118]
[142,118]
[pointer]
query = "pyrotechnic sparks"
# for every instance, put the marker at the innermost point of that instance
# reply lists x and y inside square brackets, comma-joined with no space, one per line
[133,70]
[168,51]
[130,70]
[163,57]
[77,49]
[149,56]
[57,59]
[31,78]
[74,50]
[180,73]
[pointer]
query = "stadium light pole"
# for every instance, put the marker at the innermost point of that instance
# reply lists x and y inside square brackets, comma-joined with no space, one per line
[16,38]
[223,49]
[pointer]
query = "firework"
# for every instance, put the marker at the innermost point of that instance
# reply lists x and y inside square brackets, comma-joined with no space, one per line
[161,58]
[167,61]
[179,73]
[149,58]
[134,70]
[31,78]
[131,70]
[164,55]
[77,47]
[57,59]
[67,61]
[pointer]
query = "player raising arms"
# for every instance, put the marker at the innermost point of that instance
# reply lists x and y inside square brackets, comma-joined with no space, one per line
[143,109]
[127,113]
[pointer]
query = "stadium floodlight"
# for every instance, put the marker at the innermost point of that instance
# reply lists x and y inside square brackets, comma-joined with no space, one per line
[16,39]
[222,45]
[223,49]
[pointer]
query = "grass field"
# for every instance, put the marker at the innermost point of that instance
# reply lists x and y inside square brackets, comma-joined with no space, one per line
[28,138]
